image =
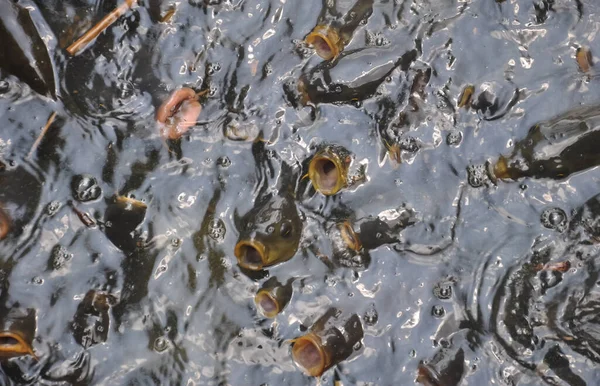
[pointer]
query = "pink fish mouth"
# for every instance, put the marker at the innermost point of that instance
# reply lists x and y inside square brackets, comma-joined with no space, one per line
[178,113]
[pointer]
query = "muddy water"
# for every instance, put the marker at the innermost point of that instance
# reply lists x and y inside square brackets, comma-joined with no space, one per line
[472,274]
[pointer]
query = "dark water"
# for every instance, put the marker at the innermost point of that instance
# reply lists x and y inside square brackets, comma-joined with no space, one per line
[470,275]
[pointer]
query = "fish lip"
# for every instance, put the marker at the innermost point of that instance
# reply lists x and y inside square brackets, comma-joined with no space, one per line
[313,173]
[429,374]
[15,350]
[329,36]
[167,109]
[175,105]
[310,339]
[240,254]
[349,236]
[489,168]
[129,202]
[265,293]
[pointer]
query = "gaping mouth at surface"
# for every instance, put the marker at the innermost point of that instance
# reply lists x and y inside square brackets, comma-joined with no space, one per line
[325,41]
[349,236]
[326,174]
[266,304]
[251,254]
[14,345]
[308,353]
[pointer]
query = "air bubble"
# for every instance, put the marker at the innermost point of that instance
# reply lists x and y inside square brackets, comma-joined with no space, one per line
[454,138]
[477,175]
[160,344]
[52,208]
[224,162]
[443,291]
[216,229]
[60,257]
[409,144]
[438,311]
[85,188]
[371,316]
[554,218]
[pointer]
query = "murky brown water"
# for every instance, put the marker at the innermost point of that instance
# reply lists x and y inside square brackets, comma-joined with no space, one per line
[491,285]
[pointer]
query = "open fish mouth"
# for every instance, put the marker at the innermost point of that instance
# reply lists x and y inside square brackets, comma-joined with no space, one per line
[14,345]
[309,355]
[251,254]
[267,304]
[326,173]
[325,41]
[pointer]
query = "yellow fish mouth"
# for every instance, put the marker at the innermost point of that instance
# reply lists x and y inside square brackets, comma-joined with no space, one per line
[251,254]
[325,41]
[12,345]
[309,354]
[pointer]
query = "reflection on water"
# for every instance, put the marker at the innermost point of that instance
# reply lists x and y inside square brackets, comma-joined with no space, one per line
[247,192]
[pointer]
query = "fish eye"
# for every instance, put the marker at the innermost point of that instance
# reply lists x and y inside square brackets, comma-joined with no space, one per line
[270,229]
[286,229]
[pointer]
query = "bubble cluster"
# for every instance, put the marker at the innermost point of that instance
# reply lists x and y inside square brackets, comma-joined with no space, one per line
[60,257]
[554,218]
[477,175]
[85,188]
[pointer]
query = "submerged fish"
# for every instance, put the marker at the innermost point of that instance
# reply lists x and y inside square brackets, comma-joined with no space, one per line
[353,76]
[123,215]
[23,49]
[553,149]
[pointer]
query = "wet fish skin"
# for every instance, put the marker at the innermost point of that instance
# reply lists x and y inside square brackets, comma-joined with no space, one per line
[354,76]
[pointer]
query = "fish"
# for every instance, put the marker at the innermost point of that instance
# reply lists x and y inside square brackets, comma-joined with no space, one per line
[270,233]
[330,340]
[24,52]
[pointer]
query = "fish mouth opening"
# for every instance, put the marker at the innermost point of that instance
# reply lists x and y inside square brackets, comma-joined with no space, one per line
[13,345]
[325,41]
[325,174]
[309,355]
[349,236]
[251,254]
[427,375]
[266,304]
